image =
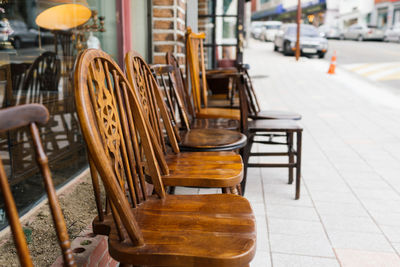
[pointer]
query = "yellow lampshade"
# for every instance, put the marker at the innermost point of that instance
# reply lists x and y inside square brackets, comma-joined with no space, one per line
[63,15]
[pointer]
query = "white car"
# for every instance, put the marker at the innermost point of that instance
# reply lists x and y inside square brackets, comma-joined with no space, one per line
[269,30]
[362,32]
[393,33]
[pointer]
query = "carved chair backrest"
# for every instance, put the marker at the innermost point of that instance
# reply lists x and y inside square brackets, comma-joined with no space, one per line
[16,117]
[181,88]
[41,81]
[118,139]
[196,67]
[154,108]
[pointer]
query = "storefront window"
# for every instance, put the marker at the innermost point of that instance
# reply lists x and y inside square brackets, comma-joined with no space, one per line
[36,66]
[382,17]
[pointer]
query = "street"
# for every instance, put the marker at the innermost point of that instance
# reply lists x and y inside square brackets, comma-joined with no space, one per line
[376,62]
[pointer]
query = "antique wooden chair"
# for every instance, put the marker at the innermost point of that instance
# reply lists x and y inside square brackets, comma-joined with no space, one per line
[16,117]
[257,130]
[157,230]
[197,139]
[195,51]
[187,112]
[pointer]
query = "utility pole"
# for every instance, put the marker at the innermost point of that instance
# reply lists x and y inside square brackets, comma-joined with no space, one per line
[298,30]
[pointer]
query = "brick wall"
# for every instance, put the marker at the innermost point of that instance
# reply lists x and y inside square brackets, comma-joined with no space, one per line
[168,29]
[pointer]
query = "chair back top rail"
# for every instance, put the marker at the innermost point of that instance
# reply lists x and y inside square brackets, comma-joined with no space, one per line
[119,141]
[16,117]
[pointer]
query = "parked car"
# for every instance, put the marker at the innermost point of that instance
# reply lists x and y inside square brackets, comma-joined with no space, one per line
[362,32]
[393,33]
[21,34]
[329,31]
[256,29]
[311,43]
[269,30]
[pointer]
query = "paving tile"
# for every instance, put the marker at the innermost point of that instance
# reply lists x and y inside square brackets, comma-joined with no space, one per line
[295,227]
[340,209]
[291,212]
[349,224]
[186,191]
[357,258]
[334,197]
[391,232]
[359,241]
[386,217]
[285,260]
[261,259]
[396,247]
[301,244]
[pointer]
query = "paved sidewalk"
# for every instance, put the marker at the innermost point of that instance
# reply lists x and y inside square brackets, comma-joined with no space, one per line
[349,210]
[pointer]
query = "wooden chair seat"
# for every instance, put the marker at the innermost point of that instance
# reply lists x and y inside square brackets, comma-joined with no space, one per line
[196,230]
[204,169]
[273,125]
[215,123]
[275,115]
[233,114]
[211,140]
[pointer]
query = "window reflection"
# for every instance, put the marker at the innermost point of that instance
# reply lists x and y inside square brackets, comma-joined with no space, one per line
[36,66]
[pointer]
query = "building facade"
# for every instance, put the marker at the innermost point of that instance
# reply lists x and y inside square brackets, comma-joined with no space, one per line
[386,13]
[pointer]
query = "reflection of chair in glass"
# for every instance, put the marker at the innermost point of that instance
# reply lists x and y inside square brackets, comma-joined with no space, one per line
[61,136]
[16,117]
[167,230]
[41,82]
[14,75]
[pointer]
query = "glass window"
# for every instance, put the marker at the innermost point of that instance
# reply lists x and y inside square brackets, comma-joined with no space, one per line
[36,67]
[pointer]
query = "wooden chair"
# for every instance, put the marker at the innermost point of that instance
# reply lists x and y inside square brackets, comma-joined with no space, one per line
[197,139]
[256,129]
[187,112]
[198,72]
[160,230]
[16,117]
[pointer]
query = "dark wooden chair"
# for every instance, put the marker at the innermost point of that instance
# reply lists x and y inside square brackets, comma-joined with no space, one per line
[16,117]
[198,72]
[157,230]
[258,130]
[197,139]
[187,112]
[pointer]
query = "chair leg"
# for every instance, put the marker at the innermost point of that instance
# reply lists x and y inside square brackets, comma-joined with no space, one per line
[225,190]
[245,153]
[171,190]
[234,190]
[291,156]
[298,164]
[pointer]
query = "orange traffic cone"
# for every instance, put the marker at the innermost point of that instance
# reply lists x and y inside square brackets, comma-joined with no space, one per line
[332,66]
